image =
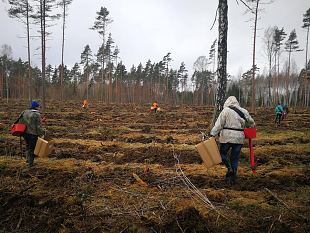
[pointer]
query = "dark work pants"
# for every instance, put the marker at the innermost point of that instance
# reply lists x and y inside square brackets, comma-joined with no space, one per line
[31,141]
[278,118]
[232,163]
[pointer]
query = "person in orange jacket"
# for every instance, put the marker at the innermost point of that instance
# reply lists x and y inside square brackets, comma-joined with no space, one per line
[155,107]
[85,103]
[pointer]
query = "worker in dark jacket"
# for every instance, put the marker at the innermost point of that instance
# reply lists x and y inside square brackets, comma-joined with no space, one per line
[279,111]
[32,119]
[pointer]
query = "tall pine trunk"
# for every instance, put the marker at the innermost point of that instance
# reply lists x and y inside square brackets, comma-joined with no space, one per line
[62,52]
[42,21]
[306,75]
[288,76]
[28,48]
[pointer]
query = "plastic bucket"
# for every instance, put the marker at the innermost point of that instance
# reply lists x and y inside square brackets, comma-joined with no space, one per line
[249,132]
[18,129]
[209,152]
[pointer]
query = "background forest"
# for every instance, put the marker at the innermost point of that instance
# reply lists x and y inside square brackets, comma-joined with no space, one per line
[101,75]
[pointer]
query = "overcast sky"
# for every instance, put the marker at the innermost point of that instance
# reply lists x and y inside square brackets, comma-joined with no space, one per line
[149,29]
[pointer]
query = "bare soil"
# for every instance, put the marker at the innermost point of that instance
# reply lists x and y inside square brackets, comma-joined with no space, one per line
[89,183]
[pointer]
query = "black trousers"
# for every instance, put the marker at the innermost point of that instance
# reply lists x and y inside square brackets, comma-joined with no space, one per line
[31,141]
[278,118]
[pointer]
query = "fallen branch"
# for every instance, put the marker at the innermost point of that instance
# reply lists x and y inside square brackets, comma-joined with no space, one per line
[273,222]
[286,206]
[193,188]
[179,226]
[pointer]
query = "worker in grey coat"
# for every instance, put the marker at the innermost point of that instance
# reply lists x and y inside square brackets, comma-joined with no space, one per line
[229,125]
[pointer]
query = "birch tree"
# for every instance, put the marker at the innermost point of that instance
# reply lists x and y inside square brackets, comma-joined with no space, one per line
[221,57]
[270,52]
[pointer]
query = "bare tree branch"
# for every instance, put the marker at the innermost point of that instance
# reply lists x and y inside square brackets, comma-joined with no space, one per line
[214,18]
[247,6]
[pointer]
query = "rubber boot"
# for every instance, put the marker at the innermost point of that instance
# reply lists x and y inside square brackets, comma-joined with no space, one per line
[30,158]
[233,177]
[229,172]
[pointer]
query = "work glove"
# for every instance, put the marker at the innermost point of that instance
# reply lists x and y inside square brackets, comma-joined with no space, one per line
[203,136]
[210,135]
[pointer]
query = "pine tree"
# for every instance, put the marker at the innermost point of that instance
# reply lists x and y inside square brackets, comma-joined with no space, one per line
[291,45]
[49,71]
[115,58]
[279,36]
[108,53]
[43,15]
[86,58]
[306,21]
[75,75]
[182,76]
[100,24]
[166,60]
[21,9]
[64,5]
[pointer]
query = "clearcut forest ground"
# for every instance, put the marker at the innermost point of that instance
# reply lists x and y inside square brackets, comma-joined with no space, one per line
[88,184]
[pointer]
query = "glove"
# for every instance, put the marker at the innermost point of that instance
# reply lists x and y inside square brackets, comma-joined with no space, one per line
[202,136]
[210,135]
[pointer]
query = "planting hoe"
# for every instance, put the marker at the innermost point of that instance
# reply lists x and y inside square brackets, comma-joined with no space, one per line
[252,163]
[250,133]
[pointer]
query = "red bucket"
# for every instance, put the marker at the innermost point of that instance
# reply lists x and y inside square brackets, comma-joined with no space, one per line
[18,129]
[249,132]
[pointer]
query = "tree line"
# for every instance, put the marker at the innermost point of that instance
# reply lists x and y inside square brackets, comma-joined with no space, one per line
[101,75]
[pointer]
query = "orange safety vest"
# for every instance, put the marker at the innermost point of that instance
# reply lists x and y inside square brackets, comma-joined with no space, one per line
[85,104]
[155,105]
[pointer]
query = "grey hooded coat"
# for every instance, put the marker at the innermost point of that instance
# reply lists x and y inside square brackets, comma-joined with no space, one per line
[231,119]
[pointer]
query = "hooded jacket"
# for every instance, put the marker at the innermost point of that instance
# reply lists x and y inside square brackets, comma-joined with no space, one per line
[231,119]
[32,119]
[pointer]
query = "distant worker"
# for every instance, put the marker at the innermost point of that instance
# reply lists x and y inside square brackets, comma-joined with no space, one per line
[32,119]
[279,111]
[85,104]
[230,124]
[155,107]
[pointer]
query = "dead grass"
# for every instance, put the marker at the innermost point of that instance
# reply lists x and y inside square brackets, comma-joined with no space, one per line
[87,185]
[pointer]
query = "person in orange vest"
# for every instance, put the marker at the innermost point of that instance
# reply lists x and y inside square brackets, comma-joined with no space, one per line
[85,104]
[155,107]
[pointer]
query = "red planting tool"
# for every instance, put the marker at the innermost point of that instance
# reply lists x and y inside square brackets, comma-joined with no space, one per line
[250,133]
